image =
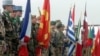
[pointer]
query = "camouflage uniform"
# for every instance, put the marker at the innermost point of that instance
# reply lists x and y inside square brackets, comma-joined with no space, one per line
[59,44]
[58,41]
[2,35]
[33,43]
[2,29]
[9,28]
[15,41]
[53,35]
[17,24]
[52,45]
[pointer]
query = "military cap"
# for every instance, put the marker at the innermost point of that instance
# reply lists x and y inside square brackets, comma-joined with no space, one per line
[7,2]
[59,25]
[17,8]
[14,7]
[58,21]
[53,23]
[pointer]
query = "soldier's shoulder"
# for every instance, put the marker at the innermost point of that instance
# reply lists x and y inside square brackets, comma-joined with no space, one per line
[0,17]
[4,13]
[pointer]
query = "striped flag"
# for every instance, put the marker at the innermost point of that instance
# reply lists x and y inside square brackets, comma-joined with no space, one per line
[25,31]
[70,30]
[71,34]
[71,49]
[79,43]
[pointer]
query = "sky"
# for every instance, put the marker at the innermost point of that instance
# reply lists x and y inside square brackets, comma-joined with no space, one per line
[60,9]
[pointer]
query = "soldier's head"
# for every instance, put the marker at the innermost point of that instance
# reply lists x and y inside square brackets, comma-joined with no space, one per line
[8,5]
[38,19]
[58,22]
[12,14]
[34,20]
[53,25]
[60,27]
[63,27]
[18,10]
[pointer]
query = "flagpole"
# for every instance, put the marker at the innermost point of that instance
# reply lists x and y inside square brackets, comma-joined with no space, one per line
[39,11]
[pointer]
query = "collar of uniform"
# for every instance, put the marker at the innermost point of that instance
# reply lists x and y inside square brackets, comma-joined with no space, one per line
[6,13]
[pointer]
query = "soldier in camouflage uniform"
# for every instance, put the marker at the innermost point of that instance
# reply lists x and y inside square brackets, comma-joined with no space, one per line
[59,39]
[2,29]
[15,21]
[33,43]
[2,35]
[18,11]
[9,31]
[53,33]
[14,37]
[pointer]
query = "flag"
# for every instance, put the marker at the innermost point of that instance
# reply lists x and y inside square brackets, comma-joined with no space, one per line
[73,13]
[43,36]
[85,29]
[25,31]
[71,49]
[79,43]
[71,34]
[92,32]
[96,47]
[70,29]
[93,41]
[38,51]
[90,37]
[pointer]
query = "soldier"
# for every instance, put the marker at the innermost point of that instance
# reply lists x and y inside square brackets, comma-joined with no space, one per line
[53,35]
[59,39]
[33,43]
[2,29]
[14,37]
[8,8]
[15,21]
[2,35]
[18,11]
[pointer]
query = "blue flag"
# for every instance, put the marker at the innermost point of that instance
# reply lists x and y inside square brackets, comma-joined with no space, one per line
[71,34]
[25,32]
[26,26]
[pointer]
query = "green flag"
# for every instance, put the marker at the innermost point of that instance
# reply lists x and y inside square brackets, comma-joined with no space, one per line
[91,33]
[78,29]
